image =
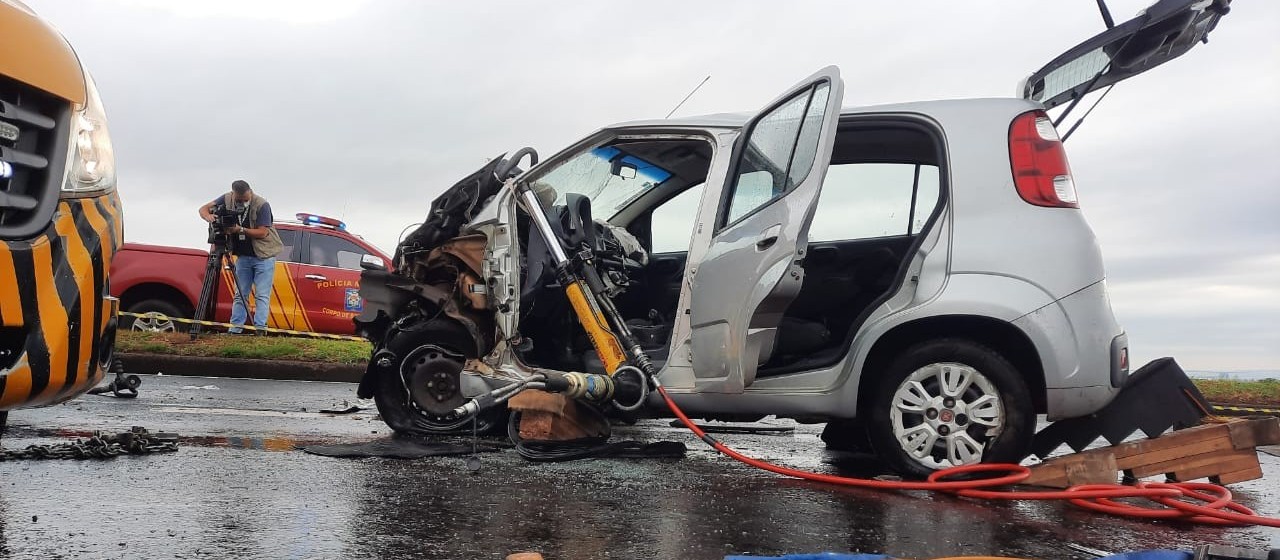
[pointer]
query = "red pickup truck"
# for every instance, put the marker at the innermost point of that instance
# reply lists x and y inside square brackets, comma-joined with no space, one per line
[316,286]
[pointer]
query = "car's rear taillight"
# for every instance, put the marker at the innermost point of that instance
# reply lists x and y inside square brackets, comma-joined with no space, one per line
[1040,170]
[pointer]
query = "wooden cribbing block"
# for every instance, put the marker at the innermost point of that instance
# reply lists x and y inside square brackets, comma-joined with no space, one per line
[553,417]
[1224,452]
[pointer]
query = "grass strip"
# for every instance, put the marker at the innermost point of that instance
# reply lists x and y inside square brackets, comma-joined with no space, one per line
[243,346]
[1265,392]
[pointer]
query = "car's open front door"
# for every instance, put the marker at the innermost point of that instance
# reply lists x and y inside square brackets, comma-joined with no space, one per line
[1162,32]
[752,271]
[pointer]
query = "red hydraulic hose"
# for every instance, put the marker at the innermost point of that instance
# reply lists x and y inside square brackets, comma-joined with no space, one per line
[1218,509]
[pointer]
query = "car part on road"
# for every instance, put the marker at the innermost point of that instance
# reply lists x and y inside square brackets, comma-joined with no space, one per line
[396,447]
[123,386]
[740,428]
[136,441]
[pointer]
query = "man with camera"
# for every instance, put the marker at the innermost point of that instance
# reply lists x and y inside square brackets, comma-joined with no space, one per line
[245,220]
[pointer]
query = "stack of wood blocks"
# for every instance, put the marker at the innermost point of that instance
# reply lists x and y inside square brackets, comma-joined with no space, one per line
[1223,452]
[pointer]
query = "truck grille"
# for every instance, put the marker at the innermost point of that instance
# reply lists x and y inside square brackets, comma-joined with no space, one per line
[33,150]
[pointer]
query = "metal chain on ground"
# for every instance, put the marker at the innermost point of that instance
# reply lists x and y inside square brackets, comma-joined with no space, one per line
[136,441]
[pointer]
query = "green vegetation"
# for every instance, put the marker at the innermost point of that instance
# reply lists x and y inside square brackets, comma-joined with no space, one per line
[257,347]
[1265,392]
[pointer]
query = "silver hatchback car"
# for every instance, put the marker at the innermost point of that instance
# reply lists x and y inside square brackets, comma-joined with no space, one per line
[919,276]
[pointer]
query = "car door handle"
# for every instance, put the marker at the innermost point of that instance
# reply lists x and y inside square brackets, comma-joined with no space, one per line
[768,238]
[315,277]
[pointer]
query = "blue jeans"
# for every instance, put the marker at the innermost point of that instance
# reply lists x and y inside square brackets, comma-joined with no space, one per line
[252,272]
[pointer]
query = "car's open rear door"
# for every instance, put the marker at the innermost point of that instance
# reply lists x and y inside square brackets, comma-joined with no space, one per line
[752,271]
[1162,32]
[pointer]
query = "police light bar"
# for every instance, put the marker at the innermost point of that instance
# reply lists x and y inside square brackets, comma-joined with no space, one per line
[318,220]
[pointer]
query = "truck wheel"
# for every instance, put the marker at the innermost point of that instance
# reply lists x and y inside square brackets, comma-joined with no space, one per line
[950,402]
[158,317]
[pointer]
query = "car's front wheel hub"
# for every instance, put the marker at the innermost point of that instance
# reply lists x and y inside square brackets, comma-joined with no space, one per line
[432,380]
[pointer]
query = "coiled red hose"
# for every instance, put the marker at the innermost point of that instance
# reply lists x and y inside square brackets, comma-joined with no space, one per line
[1217,507]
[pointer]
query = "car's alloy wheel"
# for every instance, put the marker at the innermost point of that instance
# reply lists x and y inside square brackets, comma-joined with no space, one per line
[944,414]
[153,322]
[946,403]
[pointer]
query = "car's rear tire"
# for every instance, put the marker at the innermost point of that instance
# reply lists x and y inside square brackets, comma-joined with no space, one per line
[159,315]
[950,402]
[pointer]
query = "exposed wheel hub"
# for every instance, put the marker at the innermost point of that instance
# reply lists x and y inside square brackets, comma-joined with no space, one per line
[944,414]
[432,379]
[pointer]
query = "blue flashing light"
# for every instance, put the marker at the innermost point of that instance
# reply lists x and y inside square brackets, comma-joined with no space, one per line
[318,220]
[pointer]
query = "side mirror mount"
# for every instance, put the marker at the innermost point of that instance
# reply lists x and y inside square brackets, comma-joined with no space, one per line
[372,262]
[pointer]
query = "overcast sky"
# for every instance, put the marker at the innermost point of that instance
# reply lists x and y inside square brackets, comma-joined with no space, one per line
[368,109]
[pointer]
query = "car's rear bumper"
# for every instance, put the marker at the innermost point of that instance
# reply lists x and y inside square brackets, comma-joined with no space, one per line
[57,323]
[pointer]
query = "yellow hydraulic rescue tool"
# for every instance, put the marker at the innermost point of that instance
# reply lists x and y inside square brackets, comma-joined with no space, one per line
[618,349]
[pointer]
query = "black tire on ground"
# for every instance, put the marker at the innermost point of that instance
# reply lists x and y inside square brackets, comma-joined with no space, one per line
[155,306]
[1012,442]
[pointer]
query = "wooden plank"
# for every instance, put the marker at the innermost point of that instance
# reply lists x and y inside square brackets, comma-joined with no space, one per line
[541,401]
[554,417]
[1252,473]
[1064,472]
[1218,442]
[1170,440]
[1247,434]
[1097,469]
[1225,463]
[1189,463]
[1051,473]
[1223,450]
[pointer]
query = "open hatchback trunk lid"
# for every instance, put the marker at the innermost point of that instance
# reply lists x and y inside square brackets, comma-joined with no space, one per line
[1162,32]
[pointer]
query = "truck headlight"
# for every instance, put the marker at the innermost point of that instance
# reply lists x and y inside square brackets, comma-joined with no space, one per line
[91,162]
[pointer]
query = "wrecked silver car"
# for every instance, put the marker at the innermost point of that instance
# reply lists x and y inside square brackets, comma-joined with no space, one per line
[919,276]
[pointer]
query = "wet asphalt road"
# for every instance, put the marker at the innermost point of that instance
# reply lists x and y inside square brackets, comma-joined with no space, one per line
[237,488]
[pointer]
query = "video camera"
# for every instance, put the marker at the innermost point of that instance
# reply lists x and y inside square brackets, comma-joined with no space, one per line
[223,218]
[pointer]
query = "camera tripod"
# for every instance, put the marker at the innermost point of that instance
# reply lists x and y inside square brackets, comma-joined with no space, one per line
[218,255]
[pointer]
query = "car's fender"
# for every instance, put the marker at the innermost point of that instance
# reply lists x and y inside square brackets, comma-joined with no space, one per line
[964,295]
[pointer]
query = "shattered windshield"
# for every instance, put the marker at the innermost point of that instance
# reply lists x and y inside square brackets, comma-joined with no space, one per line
[611,178]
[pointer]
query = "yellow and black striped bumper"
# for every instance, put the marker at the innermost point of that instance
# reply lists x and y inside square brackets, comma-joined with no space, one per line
[57,319]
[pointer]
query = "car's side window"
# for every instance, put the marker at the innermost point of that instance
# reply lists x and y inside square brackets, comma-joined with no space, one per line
[291,239]
[327,250]
[779,152]
[866,200]
[672,222]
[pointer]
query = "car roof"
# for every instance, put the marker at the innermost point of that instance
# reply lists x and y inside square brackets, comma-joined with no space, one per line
[737,120]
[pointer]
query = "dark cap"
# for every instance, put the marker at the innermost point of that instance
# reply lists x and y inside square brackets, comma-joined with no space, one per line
[239,186]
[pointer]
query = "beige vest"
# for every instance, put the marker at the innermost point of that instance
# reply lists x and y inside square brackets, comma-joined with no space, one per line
[268,246]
